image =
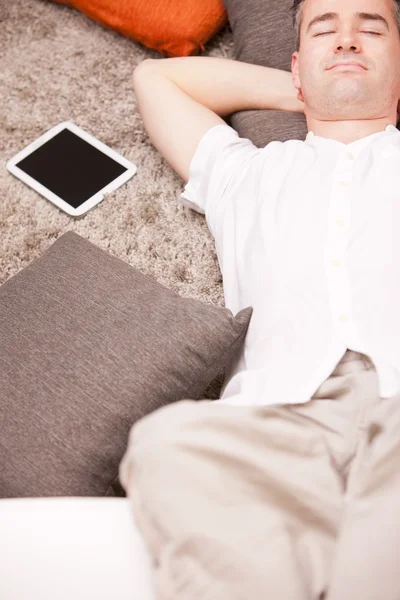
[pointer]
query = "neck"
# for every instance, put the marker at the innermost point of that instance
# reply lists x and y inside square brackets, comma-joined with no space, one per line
[348,131]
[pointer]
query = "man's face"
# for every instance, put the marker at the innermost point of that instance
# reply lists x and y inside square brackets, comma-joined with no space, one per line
[345,93]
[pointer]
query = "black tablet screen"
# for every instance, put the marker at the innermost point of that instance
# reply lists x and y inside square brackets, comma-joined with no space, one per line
[71,168]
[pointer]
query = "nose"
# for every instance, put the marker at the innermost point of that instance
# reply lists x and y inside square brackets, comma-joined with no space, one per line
[346,39]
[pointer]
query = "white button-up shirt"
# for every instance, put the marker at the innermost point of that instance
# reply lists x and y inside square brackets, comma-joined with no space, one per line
[308,234]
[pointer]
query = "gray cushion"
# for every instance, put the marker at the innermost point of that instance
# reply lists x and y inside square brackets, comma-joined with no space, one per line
[89,345]
[263,34]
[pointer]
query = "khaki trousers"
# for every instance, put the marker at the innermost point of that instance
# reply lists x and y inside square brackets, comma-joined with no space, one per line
[288,502]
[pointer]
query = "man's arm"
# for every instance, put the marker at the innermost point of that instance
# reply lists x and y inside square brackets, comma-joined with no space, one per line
[179,99]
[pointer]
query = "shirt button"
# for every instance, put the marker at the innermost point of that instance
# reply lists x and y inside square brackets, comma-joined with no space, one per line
[343,318]
[350,155]
[343,183]
[336,263]
[340,223]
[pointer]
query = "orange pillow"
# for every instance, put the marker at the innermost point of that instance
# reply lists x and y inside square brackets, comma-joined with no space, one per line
[172,27]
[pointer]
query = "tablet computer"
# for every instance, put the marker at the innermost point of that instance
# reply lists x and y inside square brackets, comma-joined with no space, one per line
[71,168]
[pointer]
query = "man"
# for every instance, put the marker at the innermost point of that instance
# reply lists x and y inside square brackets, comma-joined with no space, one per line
[288,487]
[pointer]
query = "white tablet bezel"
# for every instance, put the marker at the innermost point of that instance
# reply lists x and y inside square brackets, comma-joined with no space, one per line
[44,191]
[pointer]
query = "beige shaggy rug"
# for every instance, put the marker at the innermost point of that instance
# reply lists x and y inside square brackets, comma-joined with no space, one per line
[56,65]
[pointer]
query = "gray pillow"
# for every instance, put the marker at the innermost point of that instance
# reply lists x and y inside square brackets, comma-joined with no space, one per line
[263,34]
[89,345]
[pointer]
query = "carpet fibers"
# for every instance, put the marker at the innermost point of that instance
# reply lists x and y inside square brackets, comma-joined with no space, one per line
[57,65]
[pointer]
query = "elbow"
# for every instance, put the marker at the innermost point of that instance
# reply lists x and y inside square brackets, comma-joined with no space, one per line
[140,68]
[153,65]
[146,65]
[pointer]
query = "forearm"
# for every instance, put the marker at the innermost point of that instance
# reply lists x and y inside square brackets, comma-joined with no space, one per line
[226,86]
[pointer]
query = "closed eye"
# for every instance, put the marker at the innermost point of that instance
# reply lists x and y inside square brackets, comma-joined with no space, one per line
[326,32]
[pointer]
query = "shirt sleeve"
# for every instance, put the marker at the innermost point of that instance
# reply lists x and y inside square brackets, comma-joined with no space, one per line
[217,161]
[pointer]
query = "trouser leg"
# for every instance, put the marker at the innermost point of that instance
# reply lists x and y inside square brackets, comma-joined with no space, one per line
[234,502]
[367,556]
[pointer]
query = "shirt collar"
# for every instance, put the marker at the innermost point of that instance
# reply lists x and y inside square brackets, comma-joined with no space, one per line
[356,146]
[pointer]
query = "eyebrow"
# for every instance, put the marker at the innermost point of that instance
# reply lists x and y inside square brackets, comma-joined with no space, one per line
[362,16]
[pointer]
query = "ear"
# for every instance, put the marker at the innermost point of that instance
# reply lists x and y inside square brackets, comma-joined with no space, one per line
[295,75]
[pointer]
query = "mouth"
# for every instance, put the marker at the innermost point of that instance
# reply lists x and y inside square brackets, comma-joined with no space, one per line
[351,66]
